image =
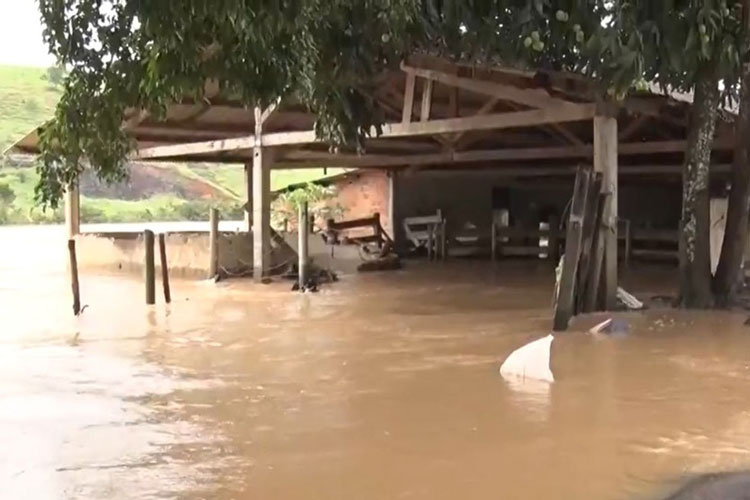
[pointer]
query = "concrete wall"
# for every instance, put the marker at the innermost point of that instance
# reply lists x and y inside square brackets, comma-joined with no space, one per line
[187,252]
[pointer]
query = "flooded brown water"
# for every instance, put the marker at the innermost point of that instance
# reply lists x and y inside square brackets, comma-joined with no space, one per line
[381,386]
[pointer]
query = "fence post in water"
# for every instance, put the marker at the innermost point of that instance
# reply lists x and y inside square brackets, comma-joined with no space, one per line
[213,265]
[164,268]
[148,242]
[74,277]
[302,231]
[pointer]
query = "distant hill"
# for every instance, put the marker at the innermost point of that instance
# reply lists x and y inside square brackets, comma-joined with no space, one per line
[163,191]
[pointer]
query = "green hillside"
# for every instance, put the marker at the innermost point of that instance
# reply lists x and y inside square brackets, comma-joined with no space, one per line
[26,100]
[178,192]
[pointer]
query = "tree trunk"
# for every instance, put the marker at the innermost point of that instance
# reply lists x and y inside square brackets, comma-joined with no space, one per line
[695,255]
[735,235]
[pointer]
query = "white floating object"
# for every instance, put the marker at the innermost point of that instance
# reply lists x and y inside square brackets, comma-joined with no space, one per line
[601,326]
[530,361]
[630,301]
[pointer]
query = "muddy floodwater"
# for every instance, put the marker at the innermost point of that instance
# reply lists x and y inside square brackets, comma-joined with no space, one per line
[380,387]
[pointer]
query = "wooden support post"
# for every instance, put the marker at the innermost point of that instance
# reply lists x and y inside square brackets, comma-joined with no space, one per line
[595,278]
[408,110]
[74,277]
[164,268]
[566,296]
[590,229]
[73,210]
[605,161]
[149,267]
[262,160]
[248,197]
[425,112]
[213,244]
[302,247]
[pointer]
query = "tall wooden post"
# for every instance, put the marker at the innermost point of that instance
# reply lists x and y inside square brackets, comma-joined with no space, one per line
[73,210]
[262,161]
[149,267]
[164,268]
[74,277]
[605,161]
[302,248]
[392,204]
[248,197]
[213,242]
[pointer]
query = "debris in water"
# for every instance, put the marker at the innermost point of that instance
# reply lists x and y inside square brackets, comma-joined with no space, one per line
[530,361]
[629,300]
[612,326]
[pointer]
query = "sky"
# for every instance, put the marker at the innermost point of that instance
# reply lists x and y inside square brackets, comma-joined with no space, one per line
[21,35]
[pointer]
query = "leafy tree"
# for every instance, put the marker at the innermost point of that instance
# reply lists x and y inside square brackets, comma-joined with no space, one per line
[736,231]
[55,75]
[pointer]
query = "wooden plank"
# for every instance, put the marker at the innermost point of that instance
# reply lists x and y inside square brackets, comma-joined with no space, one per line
[634,126]
[164,268]
[485,109]
[595,276]
[351,224]
[408,110]
[534,98]
[590,229]
[566,296]
[302,248]
[568,113]
[149,267]
[605,161]
[424,114]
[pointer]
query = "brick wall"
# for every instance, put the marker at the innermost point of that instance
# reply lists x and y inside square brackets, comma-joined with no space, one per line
[364,193]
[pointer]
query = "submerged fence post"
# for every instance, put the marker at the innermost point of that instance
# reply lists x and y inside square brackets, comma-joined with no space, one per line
[213,265]
[302,231]
[150,273]
[164,268]
[74,276]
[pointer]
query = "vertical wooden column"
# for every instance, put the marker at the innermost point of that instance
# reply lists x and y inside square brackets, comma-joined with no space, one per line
[213,243]
[605,161]
[262,161]
[149,266]
[248,197]
[72,210]
[302,251]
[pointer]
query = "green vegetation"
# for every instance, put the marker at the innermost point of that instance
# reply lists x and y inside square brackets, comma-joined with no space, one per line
[27,99]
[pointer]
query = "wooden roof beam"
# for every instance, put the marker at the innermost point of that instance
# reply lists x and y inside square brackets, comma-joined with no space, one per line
[508,154]
[567,113]
[534,98]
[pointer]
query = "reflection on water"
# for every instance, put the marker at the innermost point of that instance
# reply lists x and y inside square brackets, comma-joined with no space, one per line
[382,386]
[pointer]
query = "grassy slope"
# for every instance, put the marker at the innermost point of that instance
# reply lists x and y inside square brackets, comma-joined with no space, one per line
[27,101]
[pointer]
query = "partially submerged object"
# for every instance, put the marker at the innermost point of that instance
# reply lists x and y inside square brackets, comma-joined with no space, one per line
[611,326]
[629,301]
[531,361]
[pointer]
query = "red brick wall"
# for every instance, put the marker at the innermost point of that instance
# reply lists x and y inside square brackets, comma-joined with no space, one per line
[362,194]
